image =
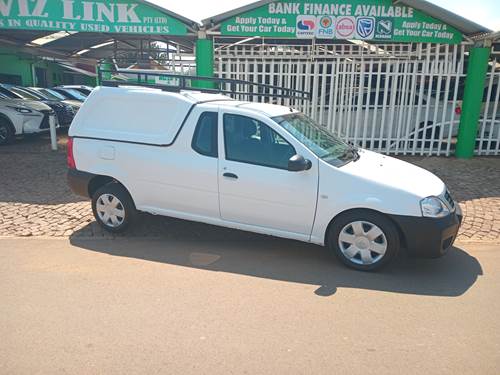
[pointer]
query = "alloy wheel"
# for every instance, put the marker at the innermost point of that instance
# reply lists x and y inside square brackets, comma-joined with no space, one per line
[3,133]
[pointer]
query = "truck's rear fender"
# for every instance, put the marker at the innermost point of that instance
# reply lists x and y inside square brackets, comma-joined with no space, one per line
[100,160]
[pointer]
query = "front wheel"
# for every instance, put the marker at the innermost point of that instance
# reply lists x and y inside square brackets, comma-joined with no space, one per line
[6,133]
[113,207]
[363,240]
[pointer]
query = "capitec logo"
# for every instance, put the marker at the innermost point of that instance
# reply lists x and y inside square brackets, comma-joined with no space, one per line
[306,27]
[346,27]
[326,27]
[365,27]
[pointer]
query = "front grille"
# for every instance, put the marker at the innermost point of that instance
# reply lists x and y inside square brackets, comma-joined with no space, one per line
[64,113]
[449,199]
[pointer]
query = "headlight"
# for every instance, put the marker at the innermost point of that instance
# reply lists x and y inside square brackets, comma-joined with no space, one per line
[21,109]
[434,207]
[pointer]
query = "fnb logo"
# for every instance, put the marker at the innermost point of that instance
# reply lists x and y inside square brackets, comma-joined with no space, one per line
[325,27]
[365,27]
[306,26]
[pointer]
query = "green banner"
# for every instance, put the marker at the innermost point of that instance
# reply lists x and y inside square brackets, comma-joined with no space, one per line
[119,16]
[376,20]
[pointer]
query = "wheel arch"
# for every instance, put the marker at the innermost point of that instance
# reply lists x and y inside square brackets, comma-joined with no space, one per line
[353,210]
[99,181]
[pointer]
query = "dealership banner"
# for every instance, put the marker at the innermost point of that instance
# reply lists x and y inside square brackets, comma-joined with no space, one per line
[375,20]
[119,16]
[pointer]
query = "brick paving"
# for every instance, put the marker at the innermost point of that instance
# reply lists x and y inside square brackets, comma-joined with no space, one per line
[35,200]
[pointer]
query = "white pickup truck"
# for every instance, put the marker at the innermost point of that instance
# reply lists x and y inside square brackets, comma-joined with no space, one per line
[256,167]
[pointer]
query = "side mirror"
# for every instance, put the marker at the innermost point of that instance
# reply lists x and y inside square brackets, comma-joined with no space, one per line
[297,163]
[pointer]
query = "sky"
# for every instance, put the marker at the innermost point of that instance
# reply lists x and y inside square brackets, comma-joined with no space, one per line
[484,12]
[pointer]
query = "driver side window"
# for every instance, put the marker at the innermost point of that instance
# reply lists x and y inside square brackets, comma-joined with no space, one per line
[247,140]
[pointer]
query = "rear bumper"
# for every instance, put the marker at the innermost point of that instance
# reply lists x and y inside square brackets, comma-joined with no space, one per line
[79,182]
[429,238]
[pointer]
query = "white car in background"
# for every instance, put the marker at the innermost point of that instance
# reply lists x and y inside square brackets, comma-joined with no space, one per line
[391,115]
[18,117]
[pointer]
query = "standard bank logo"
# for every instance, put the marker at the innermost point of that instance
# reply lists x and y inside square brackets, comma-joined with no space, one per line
[365,27]
[306,27]
[325,28]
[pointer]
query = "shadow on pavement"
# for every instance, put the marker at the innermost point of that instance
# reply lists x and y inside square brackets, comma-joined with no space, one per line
[285,260]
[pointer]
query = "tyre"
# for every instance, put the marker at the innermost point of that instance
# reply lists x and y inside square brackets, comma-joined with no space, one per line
[6,133]
[113,207]
[363,240]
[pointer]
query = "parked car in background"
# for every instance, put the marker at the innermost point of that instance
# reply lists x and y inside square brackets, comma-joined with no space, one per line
[50,94]
[71,94]
[65,113]
[86,90]
[19,117]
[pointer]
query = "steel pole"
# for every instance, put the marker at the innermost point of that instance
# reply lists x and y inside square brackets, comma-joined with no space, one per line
[204,61]
[473,99]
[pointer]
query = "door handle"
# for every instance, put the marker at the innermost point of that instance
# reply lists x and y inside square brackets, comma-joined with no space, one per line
[230,175]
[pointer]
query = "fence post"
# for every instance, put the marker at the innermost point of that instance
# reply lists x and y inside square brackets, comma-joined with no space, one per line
[473,99]
[204,60]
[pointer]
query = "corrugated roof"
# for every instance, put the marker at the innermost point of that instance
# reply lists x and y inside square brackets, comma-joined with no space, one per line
[465,26]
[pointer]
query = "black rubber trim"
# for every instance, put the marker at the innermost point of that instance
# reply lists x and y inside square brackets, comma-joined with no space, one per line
[79,181]
[427,237]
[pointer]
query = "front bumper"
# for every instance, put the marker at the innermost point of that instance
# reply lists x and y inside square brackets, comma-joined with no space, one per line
[427,237]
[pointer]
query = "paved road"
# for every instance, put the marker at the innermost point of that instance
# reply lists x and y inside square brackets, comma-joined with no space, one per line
[238,306]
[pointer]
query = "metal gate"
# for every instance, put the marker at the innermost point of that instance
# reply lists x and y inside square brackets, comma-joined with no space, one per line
[392,98]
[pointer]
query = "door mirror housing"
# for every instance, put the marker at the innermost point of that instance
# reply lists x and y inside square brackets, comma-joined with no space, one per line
[298,163]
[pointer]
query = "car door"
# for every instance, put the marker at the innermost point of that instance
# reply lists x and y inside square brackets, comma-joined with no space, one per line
[255,186]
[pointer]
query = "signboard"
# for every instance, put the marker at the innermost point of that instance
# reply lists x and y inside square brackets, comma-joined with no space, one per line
[118,16]
[375,20]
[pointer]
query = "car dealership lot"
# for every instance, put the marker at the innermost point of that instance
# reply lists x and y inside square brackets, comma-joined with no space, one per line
[242,304]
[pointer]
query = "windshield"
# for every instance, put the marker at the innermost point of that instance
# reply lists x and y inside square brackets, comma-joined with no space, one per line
[76,94]
[323,144]
[24,94]
[9,94]
[50,94]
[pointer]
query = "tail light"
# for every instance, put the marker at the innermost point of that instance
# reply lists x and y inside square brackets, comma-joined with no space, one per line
[70,157]
[458,110]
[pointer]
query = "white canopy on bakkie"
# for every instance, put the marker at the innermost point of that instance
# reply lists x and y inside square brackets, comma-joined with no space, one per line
[157,114]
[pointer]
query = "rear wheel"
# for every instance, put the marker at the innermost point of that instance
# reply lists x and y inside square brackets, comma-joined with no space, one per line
[6,132]
[113,207]
[363,240]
